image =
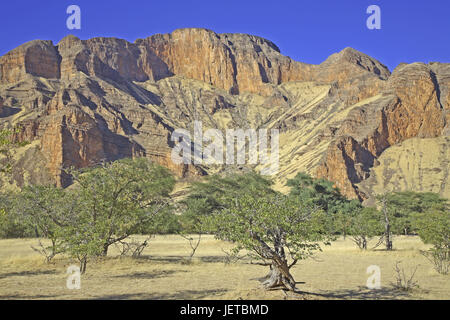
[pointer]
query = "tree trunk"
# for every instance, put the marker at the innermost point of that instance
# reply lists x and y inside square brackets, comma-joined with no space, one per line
[387,226]
[279,276]
[105,250]
[388,237]
[83,263]
[54,251]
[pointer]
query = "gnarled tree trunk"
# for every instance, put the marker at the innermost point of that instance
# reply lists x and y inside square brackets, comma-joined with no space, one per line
[279,276]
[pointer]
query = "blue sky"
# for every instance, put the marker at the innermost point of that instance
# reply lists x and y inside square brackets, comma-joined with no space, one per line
[308,31]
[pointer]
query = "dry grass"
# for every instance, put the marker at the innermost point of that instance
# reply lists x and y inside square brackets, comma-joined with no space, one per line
[339,272]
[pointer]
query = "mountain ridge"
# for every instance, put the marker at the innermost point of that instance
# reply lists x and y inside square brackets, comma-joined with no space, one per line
[85,101]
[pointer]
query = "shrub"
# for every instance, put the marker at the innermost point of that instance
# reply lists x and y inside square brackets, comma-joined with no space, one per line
[433,228]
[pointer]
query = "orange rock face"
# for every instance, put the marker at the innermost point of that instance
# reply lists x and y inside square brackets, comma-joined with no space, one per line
[413,109]
[233,62]
[104,99]
[37,58]
[243,63]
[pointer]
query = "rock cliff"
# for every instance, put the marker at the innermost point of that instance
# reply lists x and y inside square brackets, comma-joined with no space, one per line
[80,102]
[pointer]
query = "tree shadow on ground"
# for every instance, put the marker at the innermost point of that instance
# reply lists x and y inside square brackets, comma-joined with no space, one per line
[362,293]
[180,295]
[212,259]
[26,297]
[183,259]
[149,275]
[26,273]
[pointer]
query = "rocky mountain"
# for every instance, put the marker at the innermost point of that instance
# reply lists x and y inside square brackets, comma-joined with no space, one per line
[348,119]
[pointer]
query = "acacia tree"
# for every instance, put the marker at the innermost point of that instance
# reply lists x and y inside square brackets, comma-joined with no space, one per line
[11,223]
[323,194]
[400,209]
[365,224]
[433,227]
[116,200]
[46,209]
[405,206]
[105,205]
[319,192]
[216,193]
[277,230]
[388,217]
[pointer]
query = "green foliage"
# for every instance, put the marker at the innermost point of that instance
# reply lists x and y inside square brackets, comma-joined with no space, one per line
[11,224]
[342,222]
[105,205]
[165,222]
[324,195]
[265,225]
[47,209]
[365,224]
[403,207]
[433,227]
[320,193]
[44,208]
[116,200]
[343,214]
[216,193]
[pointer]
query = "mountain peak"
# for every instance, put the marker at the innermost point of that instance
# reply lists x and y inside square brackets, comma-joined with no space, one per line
[356,58]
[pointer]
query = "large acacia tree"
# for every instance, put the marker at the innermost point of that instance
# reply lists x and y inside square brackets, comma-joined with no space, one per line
[119,199]
[276,229]
[105,205]
[215,193]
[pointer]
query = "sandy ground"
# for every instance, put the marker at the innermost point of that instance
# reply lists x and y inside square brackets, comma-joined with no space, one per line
[339,272]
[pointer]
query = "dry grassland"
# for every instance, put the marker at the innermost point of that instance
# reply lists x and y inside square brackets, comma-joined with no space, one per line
[339,272]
